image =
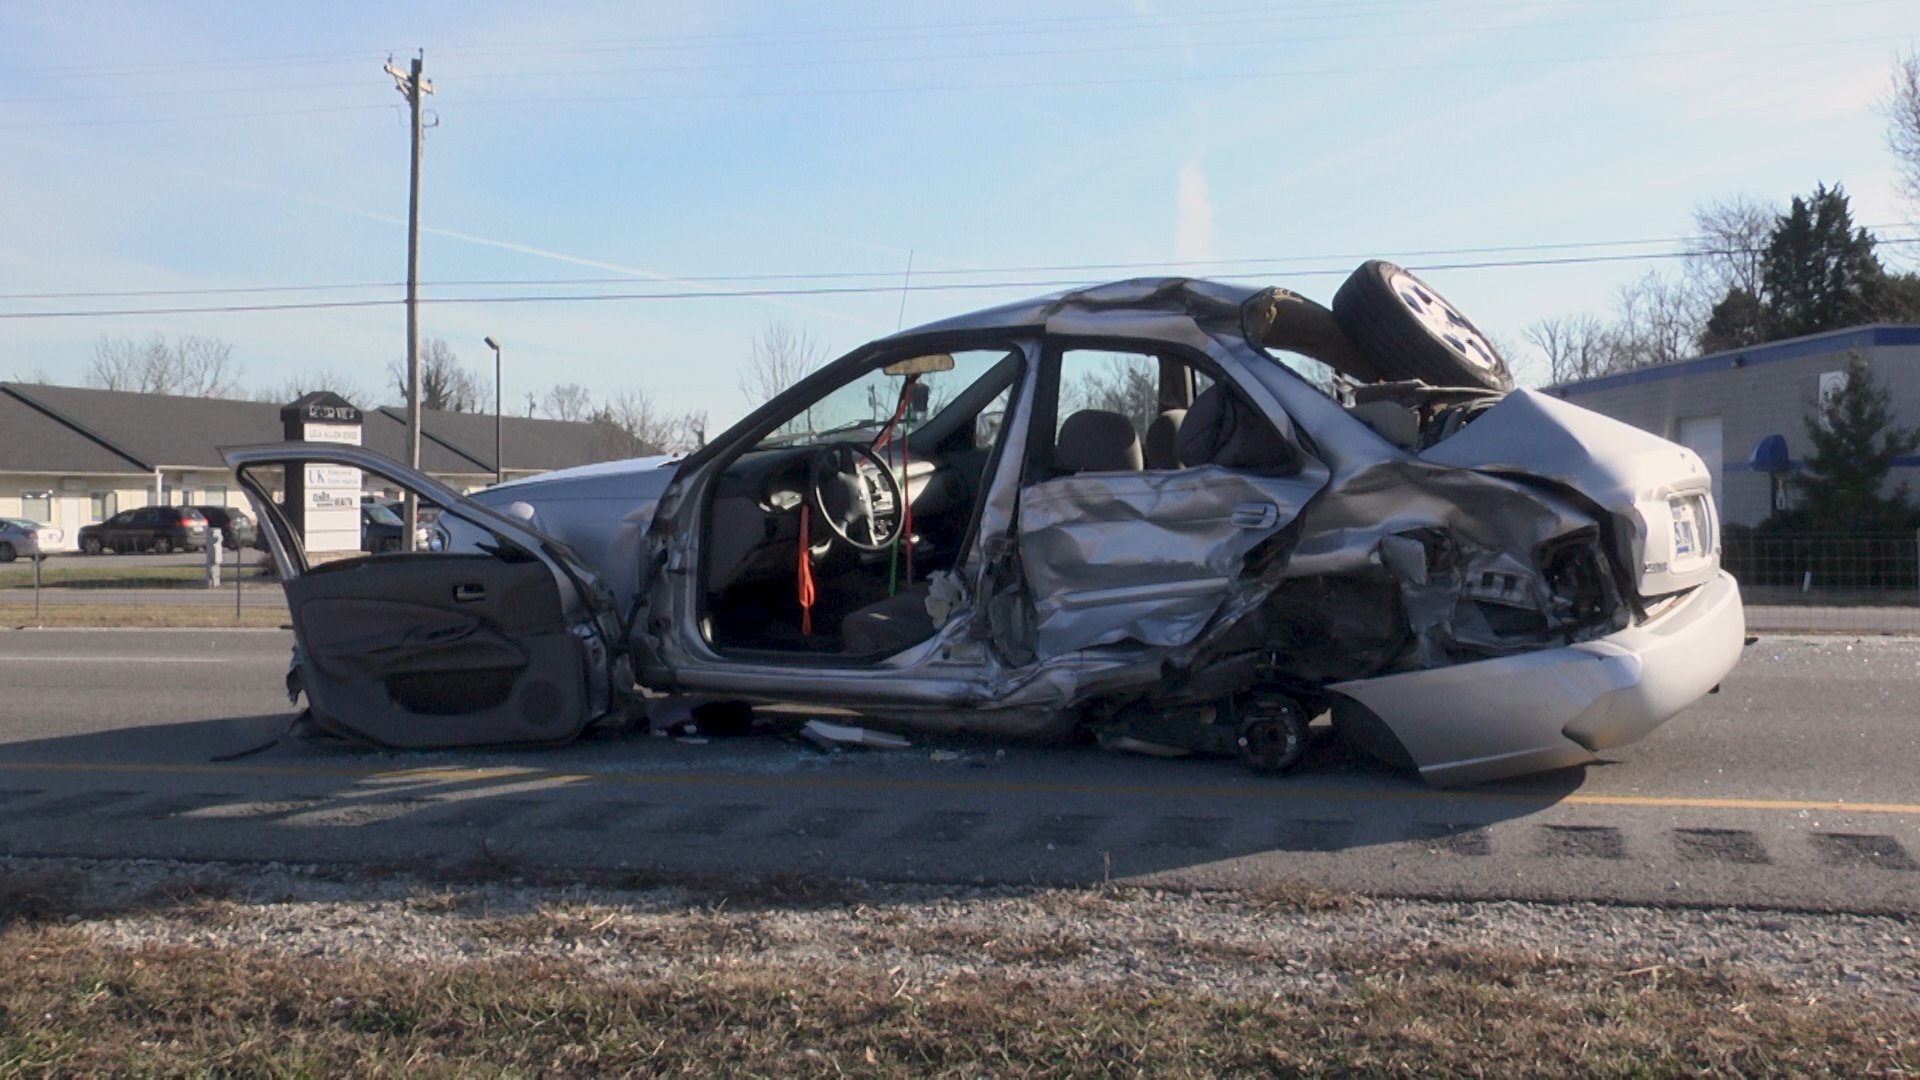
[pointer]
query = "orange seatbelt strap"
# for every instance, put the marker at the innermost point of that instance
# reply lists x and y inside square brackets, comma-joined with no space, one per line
[805,574]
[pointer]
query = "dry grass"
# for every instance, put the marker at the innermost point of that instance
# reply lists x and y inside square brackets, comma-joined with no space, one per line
[92,573]
[140,616]
[71,1007]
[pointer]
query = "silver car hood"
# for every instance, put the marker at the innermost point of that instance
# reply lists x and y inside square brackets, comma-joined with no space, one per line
[1630,473]
[602,512]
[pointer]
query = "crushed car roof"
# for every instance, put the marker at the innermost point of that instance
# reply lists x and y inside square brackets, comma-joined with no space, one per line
[1267,316]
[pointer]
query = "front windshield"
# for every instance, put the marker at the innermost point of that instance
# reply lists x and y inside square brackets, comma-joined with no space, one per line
[861,409]
[380,515]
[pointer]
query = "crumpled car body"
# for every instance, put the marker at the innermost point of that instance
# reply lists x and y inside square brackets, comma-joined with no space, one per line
[1188,517]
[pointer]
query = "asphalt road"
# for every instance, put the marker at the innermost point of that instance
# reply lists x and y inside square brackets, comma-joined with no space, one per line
[1791,788]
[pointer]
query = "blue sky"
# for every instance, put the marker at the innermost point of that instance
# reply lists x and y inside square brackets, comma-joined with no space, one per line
[222,146]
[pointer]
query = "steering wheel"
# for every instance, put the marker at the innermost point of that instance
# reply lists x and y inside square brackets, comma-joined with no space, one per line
[858,505]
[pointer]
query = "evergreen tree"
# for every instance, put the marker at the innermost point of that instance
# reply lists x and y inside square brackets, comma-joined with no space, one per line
[1820,273]
[1738,320]
[1854,443]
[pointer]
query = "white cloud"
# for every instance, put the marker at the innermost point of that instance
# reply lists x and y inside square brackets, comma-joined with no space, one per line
[1193,215]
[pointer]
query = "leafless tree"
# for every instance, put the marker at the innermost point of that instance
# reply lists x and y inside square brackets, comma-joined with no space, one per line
[301,383]
[1903,123]
[1125,384]
[781,357]
[632,424]
[569,401]
[1730,249]
[444,383]
[189,366]
[1659,321]
[1576,346]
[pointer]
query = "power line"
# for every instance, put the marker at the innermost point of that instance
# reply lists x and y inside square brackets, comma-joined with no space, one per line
[974,271]
[836,290]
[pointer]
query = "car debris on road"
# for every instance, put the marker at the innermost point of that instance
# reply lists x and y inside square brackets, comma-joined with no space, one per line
[829,736]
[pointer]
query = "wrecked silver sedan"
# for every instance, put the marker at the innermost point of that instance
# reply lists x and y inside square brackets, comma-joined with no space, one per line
[1184,516]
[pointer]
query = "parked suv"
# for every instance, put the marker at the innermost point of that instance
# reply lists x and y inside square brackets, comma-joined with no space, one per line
[236,528]
[149,528]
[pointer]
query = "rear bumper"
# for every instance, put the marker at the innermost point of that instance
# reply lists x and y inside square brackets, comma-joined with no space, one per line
[1490,719]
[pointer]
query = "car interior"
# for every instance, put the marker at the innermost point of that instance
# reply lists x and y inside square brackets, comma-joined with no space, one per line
[814,546]
[876,481]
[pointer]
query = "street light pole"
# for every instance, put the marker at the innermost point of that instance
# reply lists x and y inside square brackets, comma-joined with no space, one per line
[499,463]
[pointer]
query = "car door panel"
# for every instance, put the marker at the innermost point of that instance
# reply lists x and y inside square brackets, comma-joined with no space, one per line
[503,640]
[395,647]
[1144,556]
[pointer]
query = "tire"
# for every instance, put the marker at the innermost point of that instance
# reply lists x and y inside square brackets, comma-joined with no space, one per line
[388,546]
[92,546]
[7,554]
[1406,330]
[162,545]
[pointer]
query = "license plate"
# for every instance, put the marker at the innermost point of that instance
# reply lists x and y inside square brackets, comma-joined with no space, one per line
[1685,535]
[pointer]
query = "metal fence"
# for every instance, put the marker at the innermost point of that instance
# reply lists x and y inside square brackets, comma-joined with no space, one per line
[1869,583]
[1827,568]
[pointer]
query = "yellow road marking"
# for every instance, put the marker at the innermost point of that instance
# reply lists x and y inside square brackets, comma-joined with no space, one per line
[1276,791]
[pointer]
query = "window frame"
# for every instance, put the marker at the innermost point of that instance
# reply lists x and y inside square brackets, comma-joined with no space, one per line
[1044,429]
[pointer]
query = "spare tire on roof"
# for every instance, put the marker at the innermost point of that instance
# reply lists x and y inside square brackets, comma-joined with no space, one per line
[1406,330]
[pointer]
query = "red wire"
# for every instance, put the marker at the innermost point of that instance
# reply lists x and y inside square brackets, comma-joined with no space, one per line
[806,572]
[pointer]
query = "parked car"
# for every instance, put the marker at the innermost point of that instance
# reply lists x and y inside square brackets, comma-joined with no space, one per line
[381,530]
[235,527]
[1185,516]
[22,536]
[149,528]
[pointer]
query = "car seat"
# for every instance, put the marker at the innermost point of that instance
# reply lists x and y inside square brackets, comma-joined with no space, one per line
[1095,440]
[1162,435]
[1222,430]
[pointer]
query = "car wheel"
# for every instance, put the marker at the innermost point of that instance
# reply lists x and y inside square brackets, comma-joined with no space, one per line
[92,546]
[389,545]
[162,545]
[1408,331]
[1273,733]
[7,554]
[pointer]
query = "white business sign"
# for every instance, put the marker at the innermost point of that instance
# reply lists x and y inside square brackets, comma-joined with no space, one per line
[333,493]
[348,434]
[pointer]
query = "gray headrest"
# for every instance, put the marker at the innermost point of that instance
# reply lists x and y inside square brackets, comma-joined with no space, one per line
[1094,440]
[1221,430]
[1160,439]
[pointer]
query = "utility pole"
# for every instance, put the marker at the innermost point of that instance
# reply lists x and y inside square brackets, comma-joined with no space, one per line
[413,87]
[499,459]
